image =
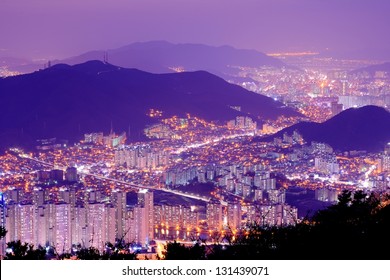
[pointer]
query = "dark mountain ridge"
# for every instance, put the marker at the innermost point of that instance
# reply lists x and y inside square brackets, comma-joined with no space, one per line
[162,56]
[366,128]
[66,101]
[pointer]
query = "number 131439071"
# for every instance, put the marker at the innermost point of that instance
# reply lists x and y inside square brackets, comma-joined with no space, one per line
[242,270]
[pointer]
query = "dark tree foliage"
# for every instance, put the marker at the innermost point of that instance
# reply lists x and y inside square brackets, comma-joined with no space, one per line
[90,253]
[16,250]
[117,251]
[120,250]
[177,251]
[357,227]
[3,232]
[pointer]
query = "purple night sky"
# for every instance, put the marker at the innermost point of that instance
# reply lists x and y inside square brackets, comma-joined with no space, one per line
[58,28]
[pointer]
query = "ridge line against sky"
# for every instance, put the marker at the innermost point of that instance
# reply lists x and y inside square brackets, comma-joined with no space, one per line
[59,29]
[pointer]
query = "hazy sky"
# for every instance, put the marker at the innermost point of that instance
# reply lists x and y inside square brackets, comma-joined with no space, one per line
[61,28]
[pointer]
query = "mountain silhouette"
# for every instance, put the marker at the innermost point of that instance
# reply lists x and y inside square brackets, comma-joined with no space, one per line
[66,101]
[162,56]
[366,128]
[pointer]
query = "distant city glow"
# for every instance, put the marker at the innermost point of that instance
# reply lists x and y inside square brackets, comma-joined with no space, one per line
[292,54]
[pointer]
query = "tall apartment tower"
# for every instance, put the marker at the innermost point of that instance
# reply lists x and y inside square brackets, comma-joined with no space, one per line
[38,197]
[110,223]
[71,174]
[2,223]
[11,222]
[80,226]
[146,200]
[119,202]
[63,227]
[142,221]
[214,215]
[385,163]
[40,228]
[96,230]
[25,220]
[234,215]
[140,226]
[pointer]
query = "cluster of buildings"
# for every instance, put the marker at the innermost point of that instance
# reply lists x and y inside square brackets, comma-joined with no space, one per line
[354,101]
[322,92]
[326,164]
[273,214]
[58,175]
[140,157]
[67,222]
[159,131]
[295,138]
[181,176]
[327,194]
[251,183]
[91,218]
[5,72]
[63,209]
[112,140]
[243,123]
[384,160]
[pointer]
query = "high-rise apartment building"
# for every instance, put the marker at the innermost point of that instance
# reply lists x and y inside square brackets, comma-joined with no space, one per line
[71,174]
[234,215]
[63,227]
[96,230]
[214,215]
[119,202]
[141,222]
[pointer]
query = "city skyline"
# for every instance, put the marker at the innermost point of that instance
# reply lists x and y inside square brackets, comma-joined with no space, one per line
[151,129]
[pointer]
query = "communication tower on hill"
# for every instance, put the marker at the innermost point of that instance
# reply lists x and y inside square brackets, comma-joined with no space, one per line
[105,57]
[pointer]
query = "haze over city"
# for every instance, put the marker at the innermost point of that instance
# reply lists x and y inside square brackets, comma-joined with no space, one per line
[46,29]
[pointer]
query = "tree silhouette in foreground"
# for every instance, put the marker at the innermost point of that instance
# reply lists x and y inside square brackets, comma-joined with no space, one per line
[16,250]
[3,232]
[357,227]
[89,253]
[175,251]
[120,250]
